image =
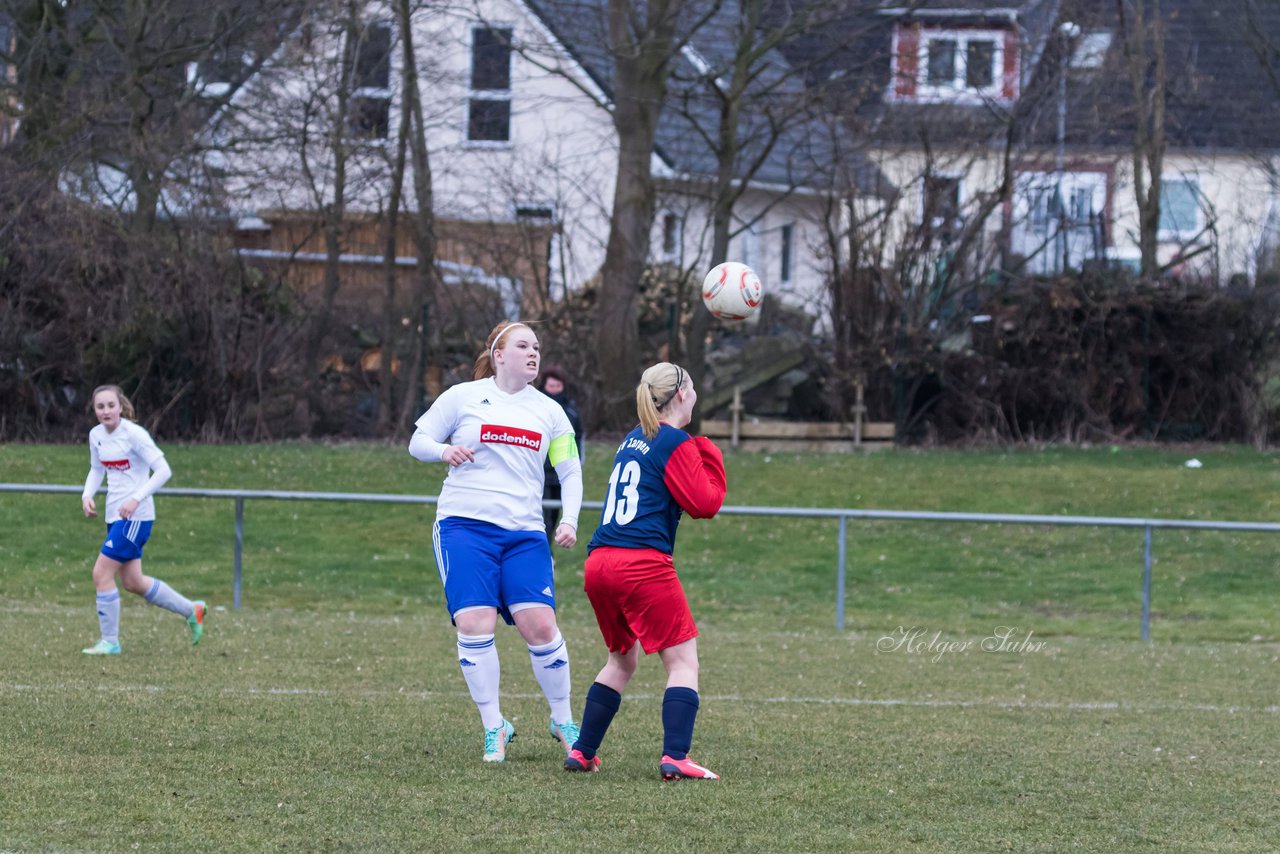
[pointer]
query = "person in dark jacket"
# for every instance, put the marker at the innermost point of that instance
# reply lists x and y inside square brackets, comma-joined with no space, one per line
[555,385]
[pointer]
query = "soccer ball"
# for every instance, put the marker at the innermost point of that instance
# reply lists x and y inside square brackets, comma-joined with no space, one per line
[732,291]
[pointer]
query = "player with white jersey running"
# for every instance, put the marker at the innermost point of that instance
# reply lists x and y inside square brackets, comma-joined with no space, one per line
[490,539]
[134,467]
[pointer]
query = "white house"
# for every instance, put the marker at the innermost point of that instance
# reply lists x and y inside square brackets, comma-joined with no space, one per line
[951,96]
[515,97]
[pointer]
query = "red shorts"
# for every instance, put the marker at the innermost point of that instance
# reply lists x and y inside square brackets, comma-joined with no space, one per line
[637,596]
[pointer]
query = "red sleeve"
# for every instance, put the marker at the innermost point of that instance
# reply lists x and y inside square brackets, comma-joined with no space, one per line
[695,477]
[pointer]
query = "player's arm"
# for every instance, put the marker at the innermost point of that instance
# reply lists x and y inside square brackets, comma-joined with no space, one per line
[429,442]
[145,447]
[92,483]
[695,477]
[562,453]
[160,474]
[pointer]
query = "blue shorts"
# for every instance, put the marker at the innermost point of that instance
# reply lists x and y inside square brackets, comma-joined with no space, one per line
[125,539]
[481,564]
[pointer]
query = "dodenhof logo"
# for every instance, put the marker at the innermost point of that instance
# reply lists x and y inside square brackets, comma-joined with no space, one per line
[497,434]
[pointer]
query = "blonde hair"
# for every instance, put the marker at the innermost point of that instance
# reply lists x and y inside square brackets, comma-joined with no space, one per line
[658,387]
[126,405]
[484,362]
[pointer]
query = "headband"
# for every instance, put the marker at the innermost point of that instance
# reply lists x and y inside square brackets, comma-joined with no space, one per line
[679,383]
[503,331]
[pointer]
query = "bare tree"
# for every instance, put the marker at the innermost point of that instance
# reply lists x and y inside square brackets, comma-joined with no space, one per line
[110,90]
[643,38]
[1142,29]
[390,264]
[756,100]
[425,282]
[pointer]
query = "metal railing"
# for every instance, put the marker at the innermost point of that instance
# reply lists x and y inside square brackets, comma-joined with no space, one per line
[841,515]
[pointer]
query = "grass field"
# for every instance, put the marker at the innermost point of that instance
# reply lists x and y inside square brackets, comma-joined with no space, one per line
[328,713]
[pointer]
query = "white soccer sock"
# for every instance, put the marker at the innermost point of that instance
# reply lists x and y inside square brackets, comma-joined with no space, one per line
[109,615]
[478,658]
[551,667]
[164,596]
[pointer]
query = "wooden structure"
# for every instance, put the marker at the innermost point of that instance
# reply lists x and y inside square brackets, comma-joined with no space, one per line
[755,434]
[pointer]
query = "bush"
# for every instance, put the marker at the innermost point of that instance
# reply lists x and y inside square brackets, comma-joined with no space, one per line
[1082,360]
[196,340]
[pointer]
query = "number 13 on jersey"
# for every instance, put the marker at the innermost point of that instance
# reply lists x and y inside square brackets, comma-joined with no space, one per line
[623,500]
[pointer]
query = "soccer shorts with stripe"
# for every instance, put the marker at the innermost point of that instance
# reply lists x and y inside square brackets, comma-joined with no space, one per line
[481,564]
[125,539]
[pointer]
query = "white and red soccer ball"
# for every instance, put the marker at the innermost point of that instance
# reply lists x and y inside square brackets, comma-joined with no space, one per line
[732,291]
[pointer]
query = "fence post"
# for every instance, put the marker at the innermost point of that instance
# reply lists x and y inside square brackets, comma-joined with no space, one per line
[239,550]
[1146,583]
[844,520]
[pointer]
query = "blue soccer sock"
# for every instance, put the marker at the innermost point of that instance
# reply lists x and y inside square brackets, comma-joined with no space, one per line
[602,704]
[164,596]
[679,709]
[109,615]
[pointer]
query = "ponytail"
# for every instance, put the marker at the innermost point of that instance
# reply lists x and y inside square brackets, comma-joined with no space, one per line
[658,387]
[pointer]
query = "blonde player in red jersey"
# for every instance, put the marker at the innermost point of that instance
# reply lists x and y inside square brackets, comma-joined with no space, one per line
[125,454]
[659,474]
[490,537]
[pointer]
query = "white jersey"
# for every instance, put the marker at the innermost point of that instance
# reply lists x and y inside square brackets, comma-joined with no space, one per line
[126,454]
[510,434]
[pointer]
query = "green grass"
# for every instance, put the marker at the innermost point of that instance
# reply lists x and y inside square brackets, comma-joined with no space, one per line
[375,558]
[328,713]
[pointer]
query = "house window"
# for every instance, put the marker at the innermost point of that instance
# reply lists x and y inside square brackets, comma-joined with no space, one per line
[671,232]
[960,65]
[941,206]
[1179,208]
[980,64]
[784,252]
[489,107]
[534,213]
[750,247]
[367,66]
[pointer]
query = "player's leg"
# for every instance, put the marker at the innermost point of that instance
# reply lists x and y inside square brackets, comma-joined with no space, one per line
[128,538]
[665,625]
[604,698]
[656,609]
[528,588]
[478,659]
[549,658]
[679,711]
[108,606]
[160,594]
[467,563]
[605,579]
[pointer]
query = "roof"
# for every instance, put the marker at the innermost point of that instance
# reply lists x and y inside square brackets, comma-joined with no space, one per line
[799,154]
[1220,94]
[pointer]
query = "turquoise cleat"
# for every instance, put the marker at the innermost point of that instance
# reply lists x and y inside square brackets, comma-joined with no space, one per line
[196,621]
[103,647]
[496,741]
[565,733]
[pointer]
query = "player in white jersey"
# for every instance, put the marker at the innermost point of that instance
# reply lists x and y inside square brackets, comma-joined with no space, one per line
[490,538]
[125,454]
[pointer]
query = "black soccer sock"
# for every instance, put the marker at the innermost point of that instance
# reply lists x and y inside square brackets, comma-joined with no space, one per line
[602,705]
[679,709]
